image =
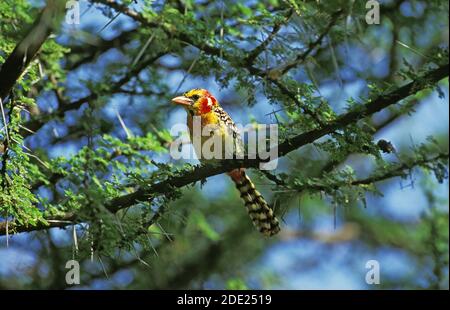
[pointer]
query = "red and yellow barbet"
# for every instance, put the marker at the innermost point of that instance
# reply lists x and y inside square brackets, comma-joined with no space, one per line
[199,102]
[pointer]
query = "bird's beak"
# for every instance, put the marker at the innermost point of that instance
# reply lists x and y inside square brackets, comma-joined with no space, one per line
[182,100]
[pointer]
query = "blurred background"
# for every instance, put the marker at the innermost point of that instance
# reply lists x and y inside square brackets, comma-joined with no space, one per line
[205,239]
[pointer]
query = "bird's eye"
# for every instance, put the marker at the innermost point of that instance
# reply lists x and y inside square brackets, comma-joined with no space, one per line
[195,97]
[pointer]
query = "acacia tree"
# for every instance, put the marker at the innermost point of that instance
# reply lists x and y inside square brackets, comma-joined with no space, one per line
[85,135]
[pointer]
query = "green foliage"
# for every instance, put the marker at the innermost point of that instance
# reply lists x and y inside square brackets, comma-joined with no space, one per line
[16,198]
[236,284]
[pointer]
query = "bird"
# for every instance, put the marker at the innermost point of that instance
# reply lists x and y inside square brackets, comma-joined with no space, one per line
[202,104]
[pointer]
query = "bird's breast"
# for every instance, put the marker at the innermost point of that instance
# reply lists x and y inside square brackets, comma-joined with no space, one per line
[199,135]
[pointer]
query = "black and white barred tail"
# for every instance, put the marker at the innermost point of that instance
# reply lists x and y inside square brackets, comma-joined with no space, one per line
[261,214]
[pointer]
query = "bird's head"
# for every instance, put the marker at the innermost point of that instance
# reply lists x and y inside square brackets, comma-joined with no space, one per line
[196,101]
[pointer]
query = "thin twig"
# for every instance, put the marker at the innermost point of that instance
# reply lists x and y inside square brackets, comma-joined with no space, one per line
[5,123]
[122,123]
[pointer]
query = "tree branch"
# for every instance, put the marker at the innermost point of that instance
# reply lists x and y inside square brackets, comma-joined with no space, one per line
[289,145]
[253,54]
[25,51]
[37,123]
[398,171]
[312,45]
[360,112]
[202,172]
[89,54]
